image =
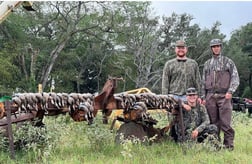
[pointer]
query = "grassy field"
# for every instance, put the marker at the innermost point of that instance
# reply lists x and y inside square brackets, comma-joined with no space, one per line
[64,141]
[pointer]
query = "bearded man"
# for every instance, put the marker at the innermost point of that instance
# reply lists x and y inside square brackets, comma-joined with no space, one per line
[180,73]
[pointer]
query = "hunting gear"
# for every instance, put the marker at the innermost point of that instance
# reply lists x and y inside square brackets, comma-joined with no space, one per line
[220,80]
[196,124]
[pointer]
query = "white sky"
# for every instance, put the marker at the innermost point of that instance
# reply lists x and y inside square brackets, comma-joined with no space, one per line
[231,14]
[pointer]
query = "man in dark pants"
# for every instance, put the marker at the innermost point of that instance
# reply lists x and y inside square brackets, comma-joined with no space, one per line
[220,80]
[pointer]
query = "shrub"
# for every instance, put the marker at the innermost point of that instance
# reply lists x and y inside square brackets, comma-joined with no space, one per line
[247,92]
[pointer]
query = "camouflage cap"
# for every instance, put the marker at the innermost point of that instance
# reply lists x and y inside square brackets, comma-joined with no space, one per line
[180,43]
[191,91]
[215,42]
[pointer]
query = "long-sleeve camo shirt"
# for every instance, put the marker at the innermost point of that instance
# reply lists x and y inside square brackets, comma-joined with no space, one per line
[179,75]
[196,118]
[221,63]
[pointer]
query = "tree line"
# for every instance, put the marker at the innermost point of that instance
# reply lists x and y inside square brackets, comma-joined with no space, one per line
[74,46]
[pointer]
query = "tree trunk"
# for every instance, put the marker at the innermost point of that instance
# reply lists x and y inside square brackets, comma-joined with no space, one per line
[54,54]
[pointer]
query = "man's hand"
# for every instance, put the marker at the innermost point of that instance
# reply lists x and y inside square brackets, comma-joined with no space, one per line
[203,102]
[200,101]
[186,107]
[195,134]
[228,95]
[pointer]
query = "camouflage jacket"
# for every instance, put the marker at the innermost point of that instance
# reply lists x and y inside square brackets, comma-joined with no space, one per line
[221,63]
[196,118]
[179,75]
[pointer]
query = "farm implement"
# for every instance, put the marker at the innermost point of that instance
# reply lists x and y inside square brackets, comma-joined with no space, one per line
[31,106]
[134,106]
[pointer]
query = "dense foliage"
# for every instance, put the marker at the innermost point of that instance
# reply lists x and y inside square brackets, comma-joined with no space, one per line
[74,46]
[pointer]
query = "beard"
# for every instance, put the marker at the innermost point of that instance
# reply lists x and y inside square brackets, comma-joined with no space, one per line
[181,55]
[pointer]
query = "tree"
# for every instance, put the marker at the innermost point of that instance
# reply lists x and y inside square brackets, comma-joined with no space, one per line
[79,44]
[137,43]
[239,49]
[17,50]
[56,26]
[178,27]
[246,35]
[72,18]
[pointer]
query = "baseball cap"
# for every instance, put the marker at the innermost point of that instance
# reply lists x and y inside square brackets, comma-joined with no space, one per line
[191,91]
[180,43]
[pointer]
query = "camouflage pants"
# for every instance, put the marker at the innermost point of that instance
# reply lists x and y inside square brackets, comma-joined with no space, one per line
[209,130]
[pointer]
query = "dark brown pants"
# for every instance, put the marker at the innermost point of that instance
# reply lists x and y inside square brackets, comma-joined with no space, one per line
[220,113]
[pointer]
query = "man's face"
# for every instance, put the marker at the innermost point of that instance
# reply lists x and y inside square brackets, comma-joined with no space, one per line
[216,49]
[192,98]
[181,51]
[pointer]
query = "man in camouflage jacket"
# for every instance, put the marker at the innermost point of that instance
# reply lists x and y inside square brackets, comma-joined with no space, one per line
[180,73]
[196,121]
[220,80]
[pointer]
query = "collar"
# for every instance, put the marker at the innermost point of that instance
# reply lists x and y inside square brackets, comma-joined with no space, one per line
[181,59]
[216,57]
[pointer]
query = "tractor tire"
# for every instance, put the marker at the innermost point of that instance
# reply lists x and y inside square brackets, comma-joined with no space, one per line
[130,131]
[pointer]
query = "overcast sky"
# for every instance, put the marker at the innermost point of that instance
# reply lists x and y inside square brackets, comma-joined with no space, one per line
[231,14]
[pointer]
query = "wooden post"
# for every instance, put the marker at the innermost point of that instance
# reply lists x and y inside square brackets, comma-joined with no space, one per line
[9,129]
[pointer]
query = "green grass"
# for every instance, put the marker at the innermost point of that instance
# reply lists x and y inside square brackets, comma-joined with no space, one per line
[77,143]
